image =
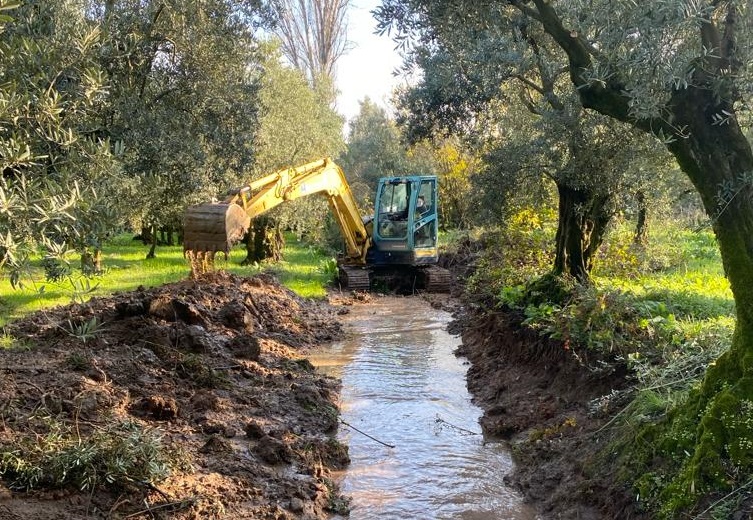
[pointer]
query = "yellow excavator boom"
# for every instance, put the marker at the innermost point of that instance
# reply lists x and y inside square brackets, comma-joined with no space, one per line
[215,227]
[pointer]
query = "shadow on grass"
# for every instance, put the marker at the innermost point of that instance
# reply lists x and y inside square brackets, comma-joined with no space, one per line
[22,302]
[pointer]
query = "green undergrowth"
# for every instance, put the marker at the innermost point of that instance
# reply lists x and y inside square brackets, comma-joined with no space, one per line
[304,269]
[666,312]
[512,256]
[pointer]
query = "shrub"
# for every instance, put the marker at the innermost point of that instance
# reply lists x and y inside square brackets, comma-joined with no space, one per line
[515,254]
[120,455]
[328,268]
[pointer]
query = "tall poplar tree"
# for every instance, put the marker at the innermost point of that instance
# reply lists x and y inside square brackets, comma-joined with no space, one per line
[313,35]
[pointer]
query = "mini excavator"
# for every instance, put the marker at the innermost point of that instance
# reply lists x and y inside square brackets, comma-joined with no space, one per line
[396,248]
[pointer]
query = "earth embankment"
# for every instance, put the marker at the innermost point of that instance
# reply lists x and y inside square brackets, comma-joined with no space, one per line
[545,401]
[212,372]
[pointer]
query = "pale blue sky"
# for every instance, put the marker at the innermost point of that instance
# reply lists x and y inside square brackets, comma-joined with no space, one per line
[366,69]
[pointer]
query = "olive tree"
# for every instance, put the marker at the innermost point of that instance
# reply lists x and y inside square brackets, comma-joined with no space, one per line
[377,148]
[57,169]
[182,100]
[589,163]
[374,150]
[296,125]
[456,164]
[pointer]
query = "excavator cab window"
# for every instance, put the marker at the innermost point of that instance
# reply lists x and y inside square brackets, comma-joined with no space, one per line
[425,233]
[394,204]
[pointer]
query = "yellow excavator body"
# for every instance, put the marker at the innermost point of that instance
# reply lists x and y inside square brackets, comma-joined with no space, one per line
[404,246]
[216,227]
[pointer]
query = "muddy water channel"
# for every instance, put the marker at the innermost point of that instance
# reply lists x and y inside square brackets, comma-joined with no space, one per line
[403,385]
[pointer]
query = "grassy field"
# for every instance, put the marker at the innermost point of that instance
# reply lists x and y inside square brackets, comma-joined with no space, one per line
[681,266]
[304,269]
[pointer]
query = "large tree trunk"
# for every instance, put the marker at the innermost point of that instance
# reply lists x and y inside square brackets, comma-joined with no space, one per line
[91,262]
[718,160]
[713,157]
[264,241]
[582,222]
[153,249]
[145,236]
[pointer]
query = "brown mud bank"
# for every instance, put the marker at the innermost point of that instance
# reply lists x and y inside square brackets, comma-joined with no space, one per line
[211,372]
[544,399]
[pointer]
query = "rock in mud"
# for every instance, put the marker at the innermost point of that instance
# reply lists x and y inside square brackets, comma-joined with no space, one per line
[135,307]
[245,346]
[156,407]
[254,430]
[196,338]
[273,451]
[173,309]
[216,445]
[236,316]
[205,400]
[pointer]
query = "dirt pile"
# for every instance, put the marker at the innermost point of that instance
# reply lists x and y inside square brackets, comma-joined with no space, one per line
[537,394]
[209,371]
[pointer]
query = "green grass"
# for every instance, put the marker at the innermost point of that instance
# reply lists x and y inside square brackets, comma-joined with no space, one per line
[304,270]
[126,268]
[689,278]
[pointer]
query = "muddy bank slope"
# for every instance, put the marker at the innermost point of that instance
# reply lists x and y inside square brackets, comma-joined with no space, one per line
[210,374]
[545,400]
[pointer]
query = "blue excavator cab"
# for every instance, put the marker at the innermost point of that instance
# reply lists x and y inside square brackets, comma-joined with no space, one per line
[405,224]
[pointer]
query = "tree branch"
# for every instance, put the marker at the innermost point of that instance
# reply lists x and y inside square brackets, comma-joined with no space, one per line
[525,9]
[729,40]
[577,53]
[525,98]
[711,41]
[155,47]
[530,84]
[606,97]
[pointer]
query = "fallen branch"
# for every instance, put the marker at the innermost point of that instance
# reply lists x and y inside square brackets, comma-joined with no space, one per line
[366,434]
[728,495]
[177,505]
[454,427]
[228,367]
[154,488]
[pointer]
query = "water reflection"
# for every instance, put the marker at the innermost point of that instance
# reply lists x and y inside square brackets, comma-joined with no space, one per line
[403,385]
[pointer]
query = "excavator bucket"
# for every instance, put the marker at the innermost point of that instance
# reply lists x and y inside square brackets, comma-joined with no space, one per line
[211,228]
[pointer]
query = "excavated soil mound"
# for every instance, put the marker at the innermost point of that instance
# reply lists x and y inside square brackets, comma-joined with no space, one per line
[212,368]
